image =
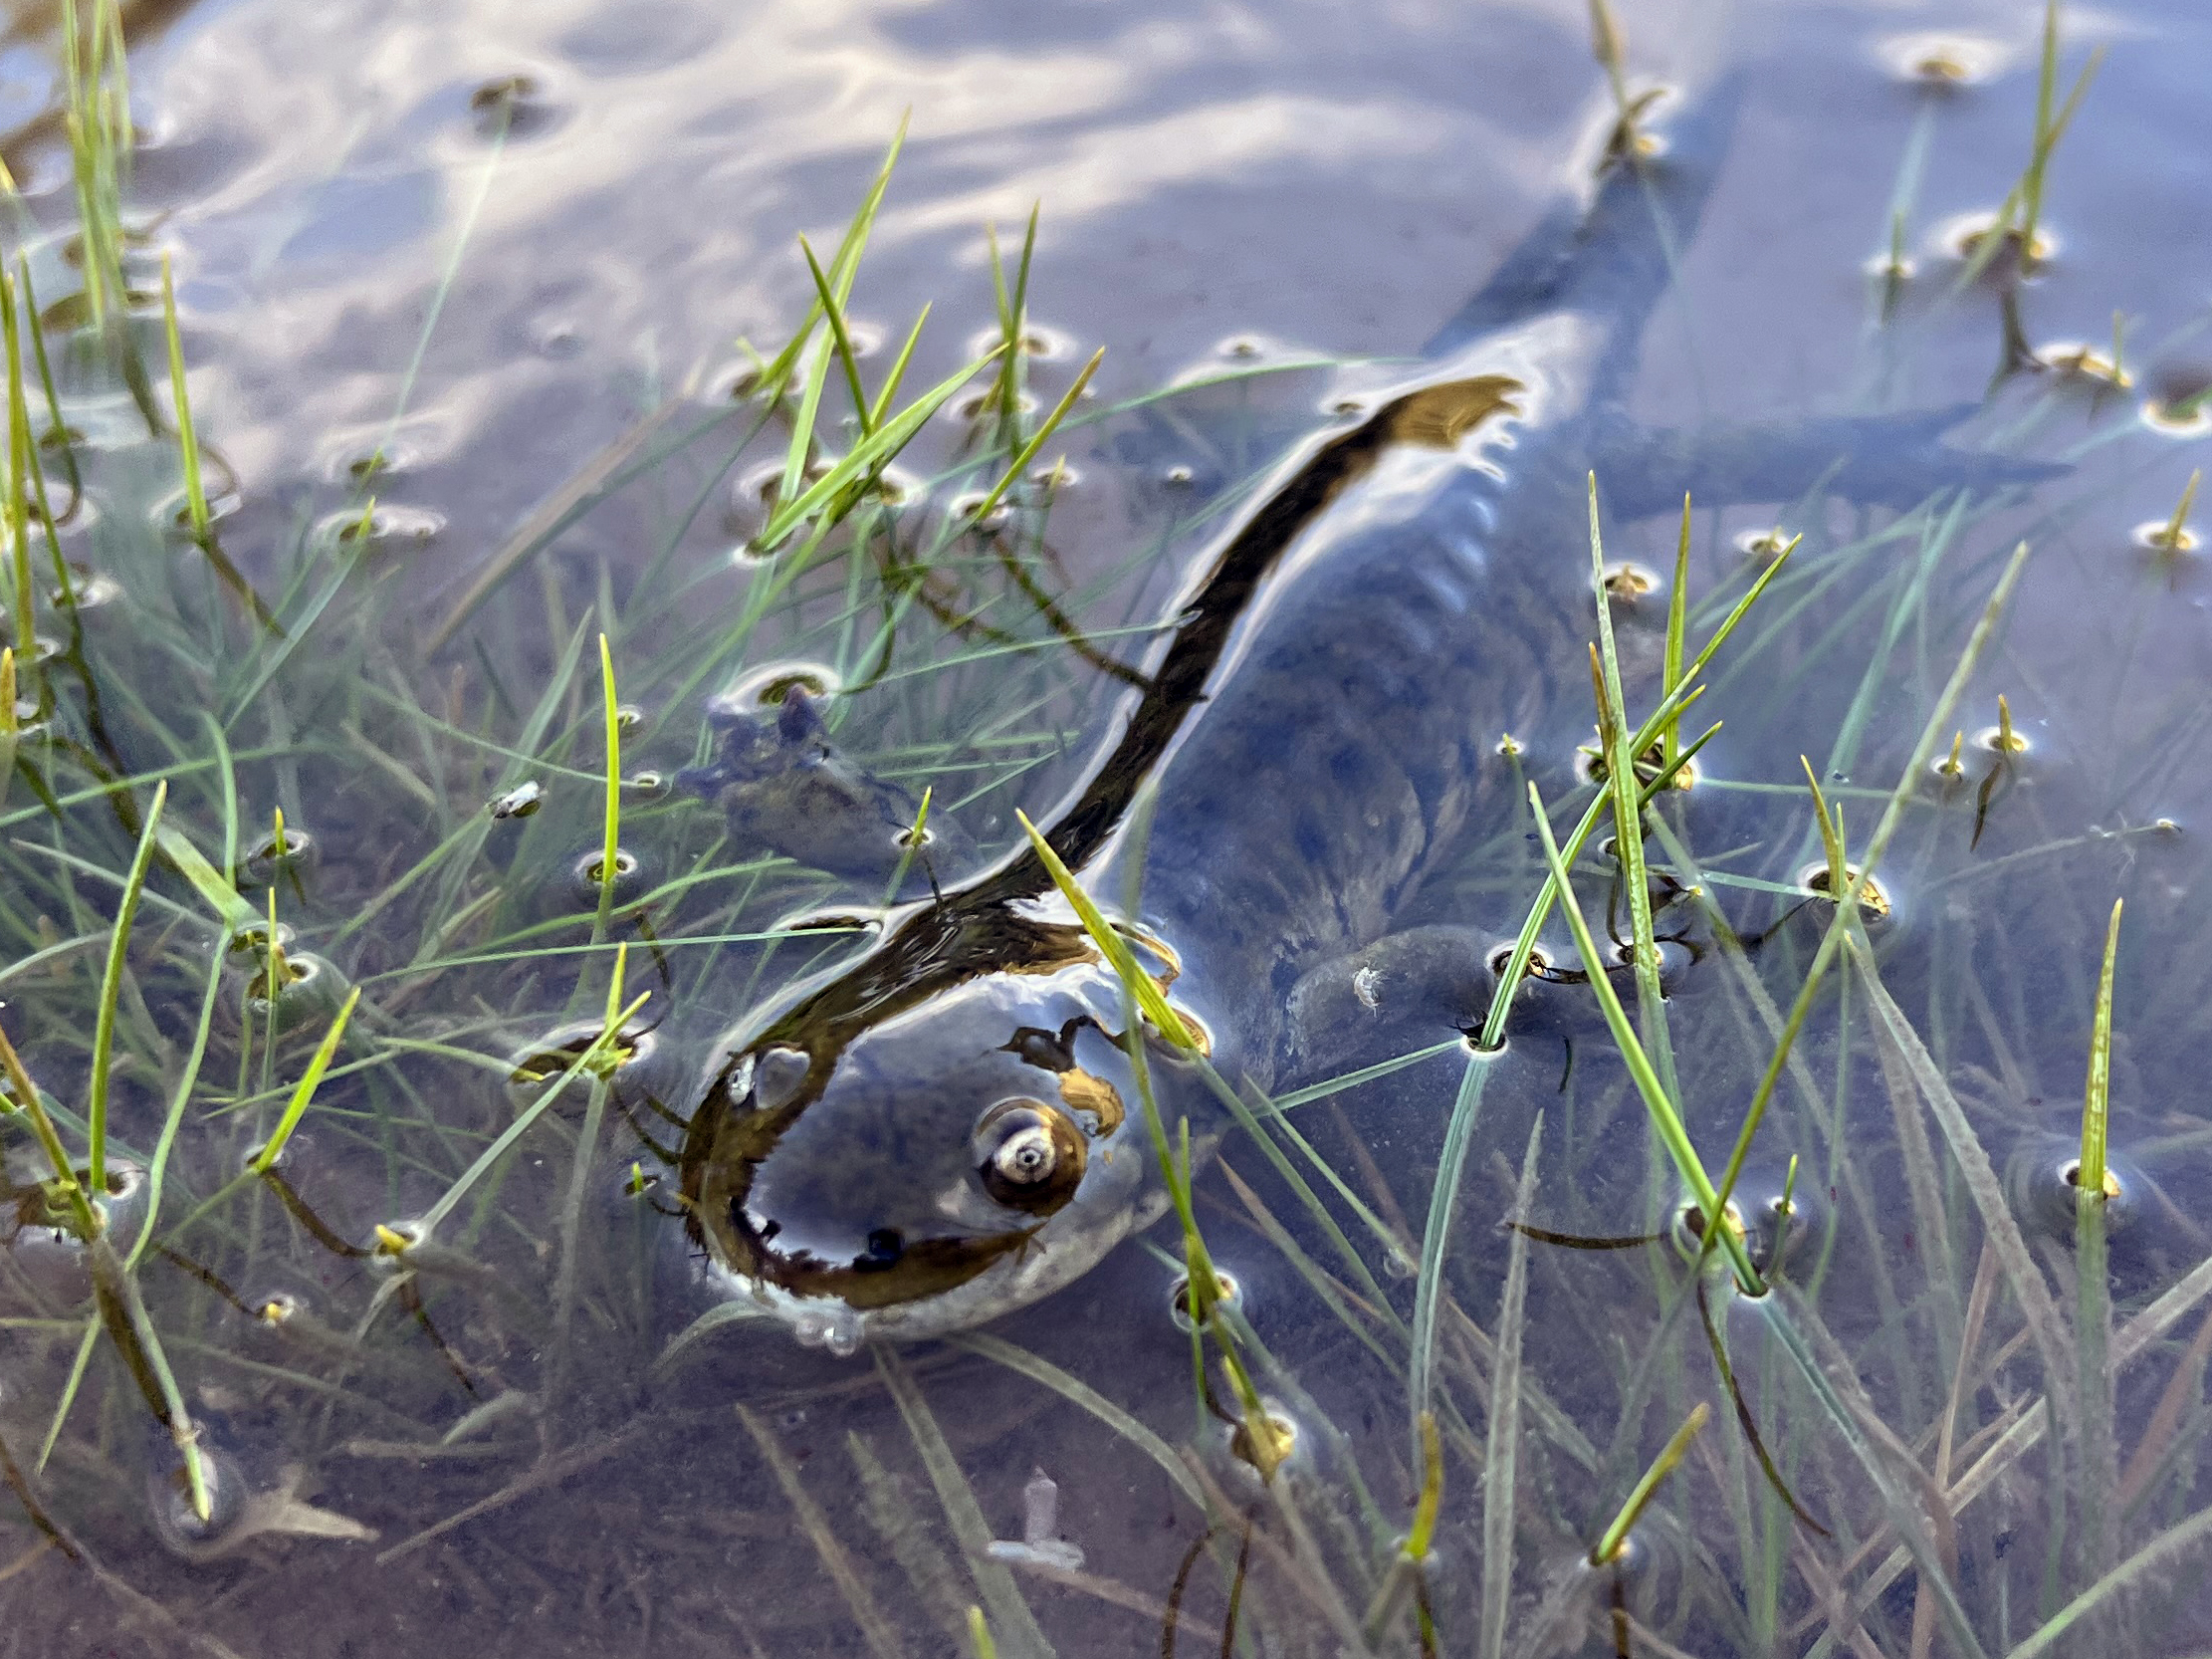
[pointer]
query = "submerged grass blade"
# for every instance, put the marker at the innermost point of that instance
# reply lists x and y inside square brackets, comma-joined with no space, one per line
[837,1561]
[110,990]
[1501,1450]
[993,1582]
[1429,1288]
[195,488]
[1839,928]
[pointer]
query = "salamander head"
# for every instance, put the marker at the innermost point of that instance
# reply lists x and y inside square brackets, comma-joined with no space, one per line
[900,1177]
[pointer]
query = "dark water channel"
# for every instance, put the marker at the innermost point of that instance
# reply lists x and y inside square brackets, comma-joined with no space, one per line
[473,301]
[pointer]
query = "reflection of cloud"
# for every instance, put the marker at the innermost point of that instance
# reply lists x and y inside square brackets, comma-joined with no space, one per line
[319,162]
[1095,169]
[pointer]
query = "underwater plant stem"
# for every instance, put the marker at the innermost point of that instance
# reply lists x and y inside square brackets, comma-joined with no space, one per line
[111,991]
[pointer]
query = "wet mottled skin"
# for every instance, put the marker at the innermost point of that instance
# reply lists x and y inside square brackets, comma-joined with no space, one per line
[946,1129]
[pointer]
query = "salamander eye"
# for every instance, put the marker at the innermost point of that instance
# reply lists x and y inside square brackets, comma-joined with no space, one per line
[1029,1155]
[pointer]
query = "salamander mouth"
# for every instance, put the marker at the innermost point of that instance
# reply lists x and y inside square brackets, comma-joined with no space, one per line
[888,1273]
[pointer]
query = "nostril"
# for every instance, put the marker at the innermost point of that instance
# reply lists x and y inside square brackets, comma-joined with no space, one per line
[885,1246]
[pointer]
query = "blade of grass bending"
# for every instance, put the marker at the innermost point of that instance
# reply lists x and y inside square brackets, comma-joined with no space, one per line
[1043,433]
[1501,1450]
[871,452]
[302,1094]
[882,1640]
[204,879]
[195,489]
[1846,903]
[1657,1103]
[993,1580]
[111,989]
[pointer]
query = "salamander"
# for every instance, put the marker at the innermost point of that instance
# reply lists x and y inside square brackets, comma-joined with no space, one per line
[947,1128]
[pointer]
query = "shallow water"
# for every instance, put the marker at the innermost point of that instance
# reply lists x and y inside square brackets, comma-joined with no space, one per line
[487,291]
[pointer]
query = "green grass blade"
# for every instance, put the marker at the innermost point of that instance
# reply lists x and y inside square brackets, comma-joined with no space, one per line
[302,1094]
[1639,1496]
[1111,944]
[610,826]
[1038,442]
[110,991]
[195,488]
[1657,1104]
[870,453]
[1429,1288]
[2097,1101]
[187,1080]
[862,408]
